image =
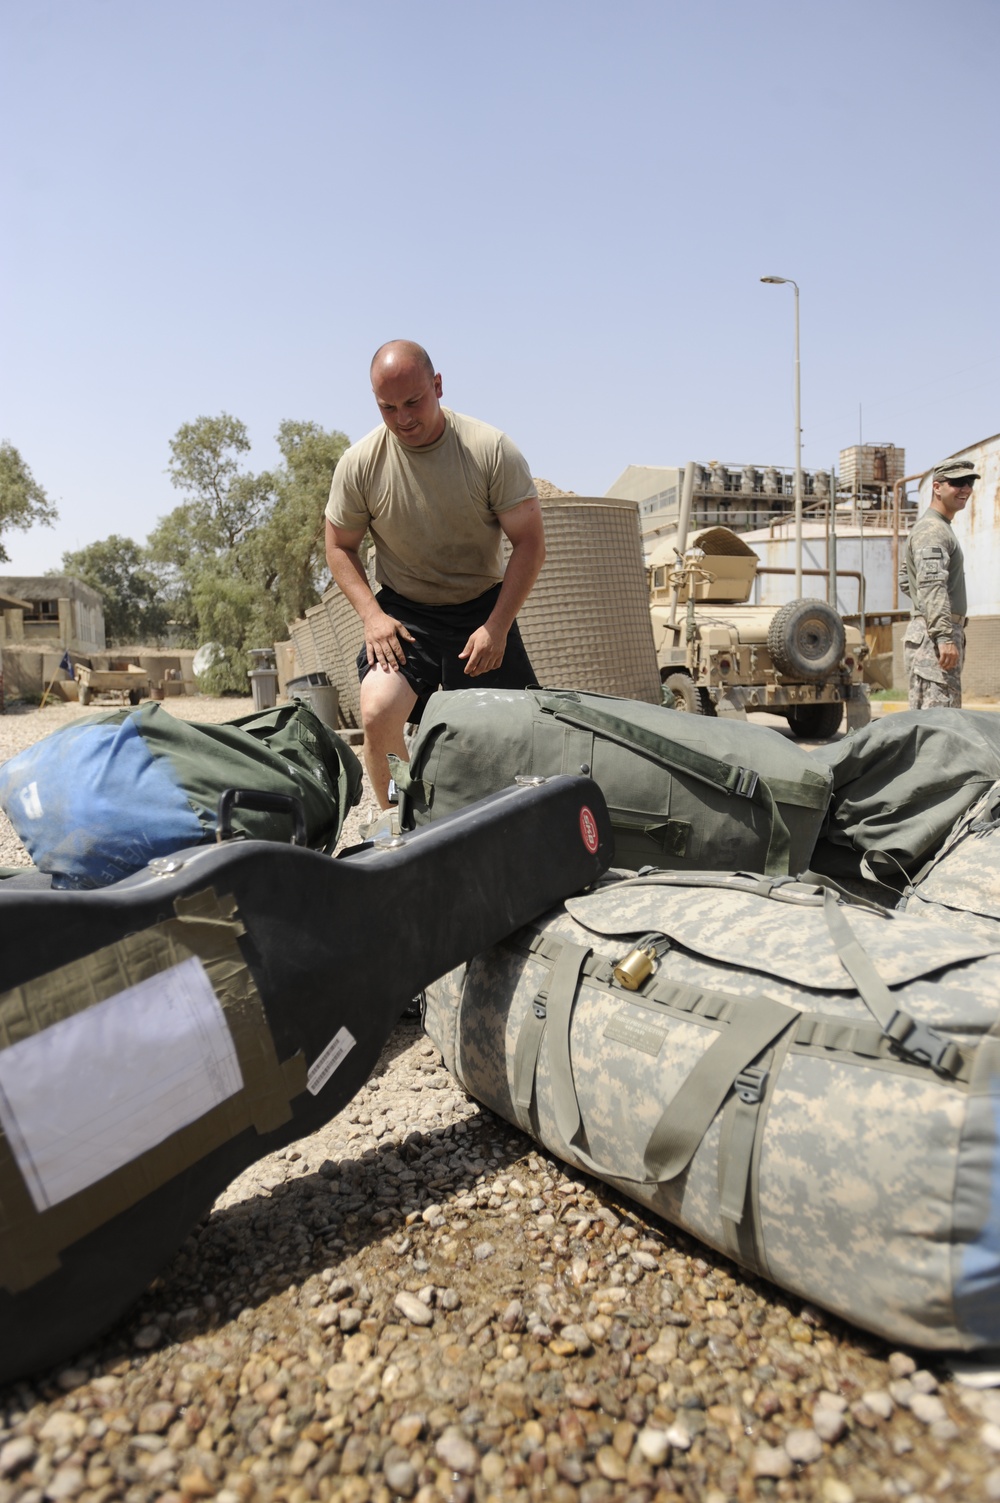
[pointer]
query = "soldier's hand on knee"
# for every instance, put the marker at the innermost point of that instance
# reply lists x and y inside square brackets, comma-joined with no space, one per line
[383,642]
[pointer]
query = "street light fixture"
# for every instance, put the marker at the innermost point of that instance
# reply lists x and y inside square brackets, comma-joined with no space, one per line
[798,439]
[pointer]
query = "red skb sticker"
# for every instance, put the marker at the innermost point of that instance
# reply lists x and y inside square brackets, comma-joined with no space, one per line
[588,829]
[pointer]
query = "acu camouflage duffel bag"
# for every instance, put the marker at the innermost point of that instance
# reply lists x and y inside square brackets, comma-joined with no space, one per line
[810,1088]
[961,884]
[683,792]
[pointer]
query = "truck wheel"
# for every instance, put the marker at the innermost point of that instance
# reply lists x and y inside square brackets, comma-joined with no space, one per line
[806,640]
[816,722]
[681,694]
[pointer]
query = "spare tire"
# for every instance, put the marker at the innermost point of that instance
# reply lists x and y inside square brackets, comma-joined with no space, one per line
[806,640]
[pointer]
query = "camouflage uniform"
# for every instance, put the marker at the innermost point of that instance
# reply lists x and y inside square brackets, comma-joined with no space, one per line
[932,574]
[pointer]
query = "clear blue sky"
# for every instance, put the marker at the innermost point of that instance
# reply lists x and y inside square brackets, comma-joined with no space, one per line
[226,205]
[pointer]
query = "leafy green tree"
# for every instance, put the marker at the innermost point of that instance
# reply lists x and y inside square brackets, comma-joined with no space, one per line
[244,554]
[134,610]
[23,502]
[225,504]
[286,553]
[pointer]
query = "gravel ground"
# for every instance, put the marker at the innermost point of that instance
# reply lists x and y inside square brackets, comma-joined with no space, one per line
[418,1303]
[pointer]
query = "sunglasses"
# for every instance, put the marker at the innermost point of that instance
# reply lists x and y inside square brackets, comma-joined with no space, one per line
[962,482]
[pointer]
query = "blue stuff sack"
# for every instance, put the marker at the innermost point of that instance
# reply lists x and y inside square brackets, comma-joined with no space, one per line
[101,798]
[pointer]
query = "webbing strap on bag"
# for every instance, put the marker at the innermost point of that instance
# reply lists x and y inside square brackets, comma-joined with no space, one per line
[684,1122]
[917,1041]
[742,782]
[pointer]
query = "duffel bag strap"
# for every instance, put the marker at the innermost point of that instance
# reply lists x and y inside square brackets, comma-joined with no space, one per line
[683,1124]
[685,1121]
[916,1041]
[743,782]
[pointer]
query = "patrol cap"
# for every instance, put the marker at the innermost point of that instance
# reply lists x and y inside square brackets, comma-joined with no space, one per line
[956,469]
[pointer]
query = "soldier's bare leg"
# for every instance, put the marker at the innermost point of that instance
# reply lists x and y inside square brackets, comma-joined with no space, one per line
[386,701]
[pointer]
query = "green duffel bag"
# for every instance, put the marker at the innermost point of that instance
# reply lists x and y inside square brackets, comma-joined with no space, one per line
[961,884]
[899,785]
[101,797]
[684,792]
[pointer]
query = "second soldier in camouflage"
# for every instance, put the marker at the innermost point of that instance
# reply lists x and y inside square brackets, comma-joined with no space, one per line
[932,574]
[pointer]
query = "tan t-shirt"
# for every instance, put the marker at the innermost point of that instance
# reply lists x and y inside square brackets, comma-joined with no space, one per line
[432,511]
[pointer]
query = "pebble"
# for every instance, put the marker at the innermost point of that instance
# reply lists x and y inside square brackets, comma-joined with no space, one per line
[414,1308]
[879,1402]
[803,1446]
[927,1408]
[835,1491]
[417,1303]
[828,1423]
[18,1452]
[654,1446]
[457,1453]
[771,1461]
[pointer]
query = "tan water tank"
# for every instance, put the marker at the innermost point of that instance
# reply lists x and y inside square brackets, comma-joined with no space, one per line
[586,623]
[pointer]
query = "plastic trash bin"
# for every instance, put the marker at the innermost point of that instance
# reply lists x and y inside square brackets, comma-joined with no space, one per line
[264,687]
[322,699]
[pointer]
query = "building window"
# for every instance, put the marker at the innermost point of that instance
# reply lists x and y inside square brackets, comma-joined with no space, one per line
[43,611]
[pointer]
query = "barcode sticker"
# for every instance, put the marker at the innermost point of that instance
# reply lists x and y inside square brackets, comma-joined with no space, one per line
[332,1057]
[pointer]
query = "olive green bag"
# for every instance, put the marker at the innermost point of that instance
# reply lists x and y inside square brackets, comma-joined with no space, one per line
[685,792]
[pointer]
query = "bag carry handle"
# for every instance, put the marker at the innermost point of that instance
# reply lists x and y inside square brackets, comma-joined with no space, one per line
[743,782]
[264,803]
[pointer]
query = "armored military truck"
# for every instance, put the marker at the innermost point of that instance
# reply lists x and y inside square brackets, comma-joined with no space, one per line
[723,655]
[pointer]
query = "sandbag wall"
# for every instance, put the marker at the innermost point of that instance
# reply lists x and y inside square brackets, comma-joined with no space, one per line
[586,623]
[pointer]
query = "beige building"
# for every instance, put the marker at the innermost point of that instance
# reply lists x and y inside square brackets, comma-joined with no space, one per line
[41,619]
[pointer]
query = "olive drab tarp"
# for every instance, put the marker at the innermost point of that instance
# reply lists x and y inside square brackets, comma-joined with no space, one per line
[102,797]
[684,792]
[899,785]
[812,1087]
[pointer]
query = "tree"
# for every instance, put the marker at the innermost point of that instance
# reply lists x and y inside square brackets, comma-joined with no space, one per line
[225,504]
[118,569]
[244,554]
[287,551]
[23,502]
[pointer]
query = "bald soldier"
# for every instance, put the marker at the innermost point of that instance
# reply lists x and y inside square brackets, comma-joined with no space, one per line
[932,573]
[438,492]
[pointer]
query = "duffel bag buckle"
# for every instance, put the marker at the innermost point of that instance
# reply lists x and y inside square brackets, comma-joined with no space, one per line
[750,1084]
[746,782]
[920,1042]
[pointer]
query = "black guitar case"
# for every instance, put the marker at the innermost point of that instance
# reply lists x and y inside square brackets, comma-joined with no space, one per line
[276,974]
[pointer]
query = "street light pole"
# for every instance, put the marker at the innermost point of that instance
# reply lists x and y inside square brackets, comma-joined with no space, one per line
[798,439]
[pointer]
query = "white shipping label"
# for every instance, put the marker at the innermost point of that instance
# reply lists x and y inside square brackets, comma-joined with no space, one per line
[96,1090]
[334,1054]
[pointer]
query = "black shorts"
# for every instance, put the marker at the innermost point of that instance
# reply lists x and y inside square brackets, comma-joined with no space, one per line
[441,631]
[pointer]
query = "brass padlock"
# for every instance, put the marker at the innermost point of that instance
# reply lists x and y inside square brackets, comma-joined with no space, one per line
[637,965]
